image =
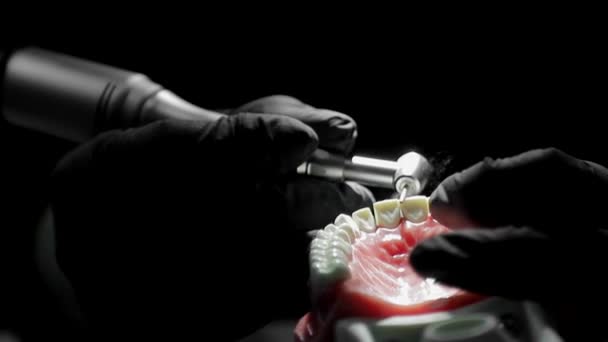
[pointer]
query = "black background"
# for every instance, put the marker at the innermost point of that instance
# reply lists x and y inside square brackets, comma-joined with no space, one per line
[453,95]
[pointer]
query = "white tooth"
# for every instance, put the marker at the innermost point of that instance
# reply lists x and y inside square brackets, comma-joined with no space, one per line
[342,234]
[330,252]
[352,232]
[330,228]
[347,224]
[320,266]
[325,235]
[365,220]
[318,253]
[323,250]
[415,208]
[319,243]
[337,253]
[343,246]
[388,213]
[345,219]
[327,274]
[338,263]
[318,259]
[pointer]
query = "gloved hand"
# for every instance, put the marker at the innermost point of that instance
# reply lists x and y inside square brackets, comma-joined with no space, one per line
[181,227]
[526,227]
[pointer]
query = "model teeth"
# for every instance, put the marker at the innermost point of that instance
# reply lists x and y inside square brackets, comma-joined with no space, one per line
[345,219]
[323,234]
[330,252]
[415,208]
[330,228]
[324,275]
[331,249]
[365,220]
[343,235]
[348,225]
[343,246]
[388,213]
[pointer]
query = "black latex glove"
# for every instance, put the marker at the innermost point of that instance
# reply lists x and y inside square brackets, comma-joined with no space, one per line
[527,227]
[180,227]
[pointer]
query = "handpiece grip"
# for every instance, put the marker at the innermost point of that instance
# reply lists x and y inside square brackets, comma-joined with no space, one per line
[76,99]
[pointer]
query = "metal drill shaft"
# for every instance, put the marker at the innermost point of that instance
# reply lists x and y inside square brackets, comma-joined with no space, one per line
[407,176]
[403,194]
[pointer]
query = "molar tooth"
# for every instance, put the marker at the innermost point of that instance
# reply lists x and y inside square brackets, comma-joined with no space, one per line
[328,271]
[344,235]
[331,228]
[415,208]
[341,263]
[323,279]
[324,235]
[388,213]
[365,220]
[343,246]
[320,266]
[352,232]
[318,259]
[337,253]
[319,250]
[319,243]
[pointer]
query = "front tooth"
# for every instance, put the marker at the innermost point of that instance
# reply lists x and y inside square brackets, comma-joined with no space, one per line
[415,208]
[365,220]
[388,213]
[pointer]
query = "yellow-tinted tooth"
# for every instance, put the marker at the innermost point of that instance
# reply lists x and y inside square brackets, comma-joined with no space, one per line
[365,220]
[388,213]
[415,208]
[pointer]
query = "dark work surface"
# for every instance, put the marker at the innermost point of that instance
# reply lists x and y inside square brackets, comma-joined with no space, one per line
[277,331]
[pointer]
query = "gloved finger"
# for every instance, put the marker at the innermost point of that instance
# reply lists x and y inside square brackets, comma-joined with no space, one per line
[337,131]
[252,144]
[513,262]
[268,143]
[542,188]
[314,203]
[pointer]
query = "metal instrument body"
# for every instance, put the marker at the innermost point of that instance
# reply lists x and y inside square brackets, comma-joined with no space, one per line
[407,176]
[76,99]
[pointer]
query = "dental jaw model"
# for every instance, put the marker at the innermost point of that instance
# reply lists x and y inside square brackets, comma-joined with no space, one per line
[363,288]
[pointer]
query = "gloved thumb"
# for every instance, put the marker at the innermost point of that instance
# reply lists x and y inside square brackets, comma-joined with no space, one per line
[337,132]
[513,262]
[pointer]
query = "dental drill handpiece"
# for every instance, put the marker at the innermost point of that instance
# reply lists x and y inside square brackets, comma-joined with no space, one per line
[75,99]
[407,176]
